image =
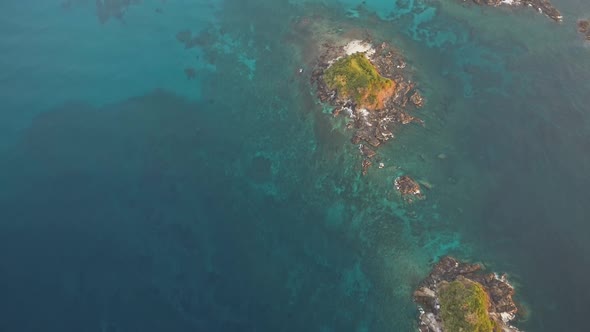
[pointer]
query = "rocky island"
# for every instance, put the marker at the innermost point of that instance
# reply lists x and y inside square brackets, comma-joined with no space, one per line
[542,6]
[366,84]
[459,296]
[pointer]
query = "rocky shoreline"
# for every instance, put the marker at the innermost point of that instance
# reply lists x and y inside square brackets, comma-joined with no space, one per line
[372,127]
[434,306]
[542,6]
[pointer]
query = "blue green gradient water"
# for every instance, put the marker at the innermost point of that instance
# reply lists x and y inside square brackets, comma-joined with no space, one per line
[135,199]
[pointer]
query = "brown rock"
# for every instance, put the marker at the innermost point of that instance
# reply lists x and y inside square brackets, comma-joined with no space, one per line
[366,164]
[190,73]
[405,118]
[417,99]
[407,186]
[366,151]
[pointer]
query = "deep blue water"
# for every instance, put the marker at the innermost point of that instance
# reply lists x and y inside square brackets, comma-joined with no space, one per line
[136,197]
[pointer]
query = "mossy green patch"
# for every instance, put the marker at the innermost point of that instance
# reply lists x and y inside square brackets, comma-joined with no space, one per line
[355,77]
[464,307]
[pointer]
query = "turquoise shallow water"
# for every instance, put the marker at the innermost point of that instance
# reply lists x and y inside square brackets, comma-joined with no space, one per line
[135,198]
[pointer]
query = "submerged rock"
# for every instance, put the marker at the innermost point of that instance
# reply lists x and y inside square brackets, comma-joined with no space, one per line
[426,184]
[460,296]
[190,73]
[113,8]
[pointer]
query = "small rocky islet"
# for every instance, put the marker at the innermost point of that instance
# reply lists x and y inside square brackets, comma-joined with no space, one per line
[458,296]
[367,84]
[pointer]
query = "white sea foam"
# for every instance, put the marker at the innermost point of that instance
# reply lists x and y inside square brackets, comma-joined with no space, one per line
[349,112]
[363,112]
[357,46]
[353,47]
[503,279]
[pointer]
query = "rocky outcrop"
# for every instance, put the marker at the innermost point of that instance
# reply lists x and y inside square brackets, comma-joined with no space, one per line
[501,308]
[408,188]
[542,6]
[371,126]
[545,7]
[417,99]
[584,28]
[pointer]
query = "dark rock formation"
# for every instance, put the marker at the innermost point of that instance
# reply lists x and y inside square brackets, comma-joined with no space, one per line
[502,309]
[584,28]
[105,9]
[542,6]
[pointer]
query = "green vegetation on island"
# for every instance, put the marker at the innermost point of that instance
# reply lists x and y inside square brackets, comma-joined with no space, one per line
[355,77]
[464,307]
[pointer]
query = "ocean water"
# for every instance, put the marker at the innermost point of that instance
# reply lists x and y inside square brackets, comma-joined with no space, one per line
[155,184]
